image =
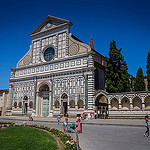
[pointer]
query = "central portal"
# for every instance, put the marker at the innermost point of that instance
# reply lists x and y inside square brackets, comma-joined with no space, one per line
[45,106]
[64,107]
[43,100]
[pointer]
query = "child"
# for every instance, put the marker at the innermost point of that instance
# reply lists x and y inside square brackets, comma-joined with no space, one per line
[58,119]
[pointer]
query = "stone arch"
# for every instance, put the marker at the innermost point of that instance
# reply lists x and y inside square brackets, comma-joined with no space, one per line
[42,85]
[56,104]
[114,104]
[137,103]
[80,104]
[72,104]
[147,102]
[64,96]
[125,103]
[101,103]
[101,92]
[64,103]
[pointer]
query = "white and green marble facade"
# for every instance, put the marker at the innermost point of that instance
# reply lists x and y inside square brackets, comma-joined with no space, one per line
[69,73]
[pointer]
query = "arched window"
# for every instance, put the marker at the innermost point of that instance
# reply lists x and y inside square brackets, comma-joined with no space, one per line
[15,104]
[56,104]
[30,104]
[72,104]
[80,104]
[20,104]
[114,104]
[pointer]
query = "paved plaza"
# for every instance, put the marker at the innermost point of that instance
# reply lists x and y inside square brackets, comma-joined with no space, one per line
[109,134]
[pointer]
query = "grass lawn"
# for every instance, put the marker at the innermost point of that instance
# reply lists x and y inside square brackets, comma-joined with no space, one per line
[25,138]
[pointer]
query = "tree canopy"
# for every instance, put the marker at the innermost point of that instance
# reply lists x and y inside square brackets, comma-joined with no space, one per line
[139,84]
[117,77]
[148,71]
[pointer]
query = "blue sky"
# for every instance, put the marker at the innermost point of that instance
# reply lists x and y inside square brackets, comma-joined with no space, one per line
[125,21]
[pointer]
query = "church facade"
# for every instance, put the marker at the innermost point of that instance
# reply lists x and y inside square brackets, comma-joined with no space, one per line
[58,75]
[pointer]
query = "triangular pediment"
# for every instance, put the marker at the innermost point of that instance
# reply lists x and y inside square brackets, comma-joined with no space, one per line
[49,23]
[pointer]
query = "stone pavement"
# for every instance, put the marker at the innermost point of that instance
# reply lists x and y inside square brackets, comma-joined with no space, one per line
[116,122]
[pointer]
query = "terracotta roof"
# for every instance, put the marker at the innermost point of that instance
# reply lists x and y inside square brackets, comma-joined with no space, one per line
[4,90]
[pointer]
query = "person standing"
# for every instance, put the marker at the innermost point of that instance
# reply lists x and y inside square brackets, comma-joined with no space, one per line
[98,113]
[147,126]
[95,115]
[65,122]
[78,128]
[91,114]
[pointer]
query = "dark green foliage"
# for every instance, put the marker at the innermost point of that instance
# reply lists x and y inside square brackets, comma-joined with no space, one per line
[117,77]
[139,84]
[148,71]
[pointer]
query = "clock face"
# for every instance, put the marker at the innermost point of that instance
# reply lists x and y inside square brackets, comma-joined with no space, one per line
[49,54]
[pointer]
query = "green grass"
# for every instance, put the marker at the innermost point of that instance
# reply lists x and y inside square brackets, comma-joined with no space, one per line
[25,138]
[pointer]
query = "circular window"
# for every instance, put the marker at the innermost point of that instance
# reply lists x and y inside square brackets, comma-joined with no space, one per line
[49,54]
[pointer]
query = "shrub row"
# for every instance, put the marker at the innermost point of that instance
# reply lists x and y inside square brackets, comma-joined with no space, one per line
[64,137]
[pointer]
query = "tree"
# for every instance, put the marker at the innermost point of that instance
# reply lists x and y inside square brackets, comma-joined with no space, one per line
[139,84]
[148,71]
[117,77]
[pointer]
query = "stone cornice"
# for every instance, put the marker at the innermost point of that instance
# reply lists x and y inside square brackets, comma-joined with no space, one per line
[54,73]
[53,61]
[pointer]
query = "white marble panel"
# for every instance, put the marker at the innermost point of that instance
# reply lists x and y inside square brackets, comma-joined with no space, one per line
[64,36]
[63,52]
[34,45]
[59,45]
[38,44]
[64,44]
[60,37]
[59,53]
[50,40]
[46,41]
[43,42]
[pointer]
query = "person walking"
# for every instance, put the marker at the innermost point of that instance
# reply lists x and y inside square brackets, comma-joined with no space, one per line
[58,119]
[147,126]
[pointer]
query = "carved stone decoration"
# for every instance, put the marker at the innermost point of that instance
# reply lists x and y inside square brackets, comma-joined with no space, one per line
[73,49]
[27,60]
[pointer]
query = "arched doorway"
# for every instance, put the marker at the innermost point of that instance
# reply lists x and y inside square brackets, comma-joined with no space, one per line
[43,104]
[101,105]
[64,104]
[25,105]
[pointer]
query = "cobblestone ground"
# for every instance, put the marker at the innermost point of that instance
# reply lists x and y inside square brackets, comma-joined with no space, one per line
[107,137]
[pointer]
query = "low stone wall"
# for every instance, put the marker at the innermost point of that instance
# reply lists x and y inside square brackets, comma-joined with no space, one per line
[128,113]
